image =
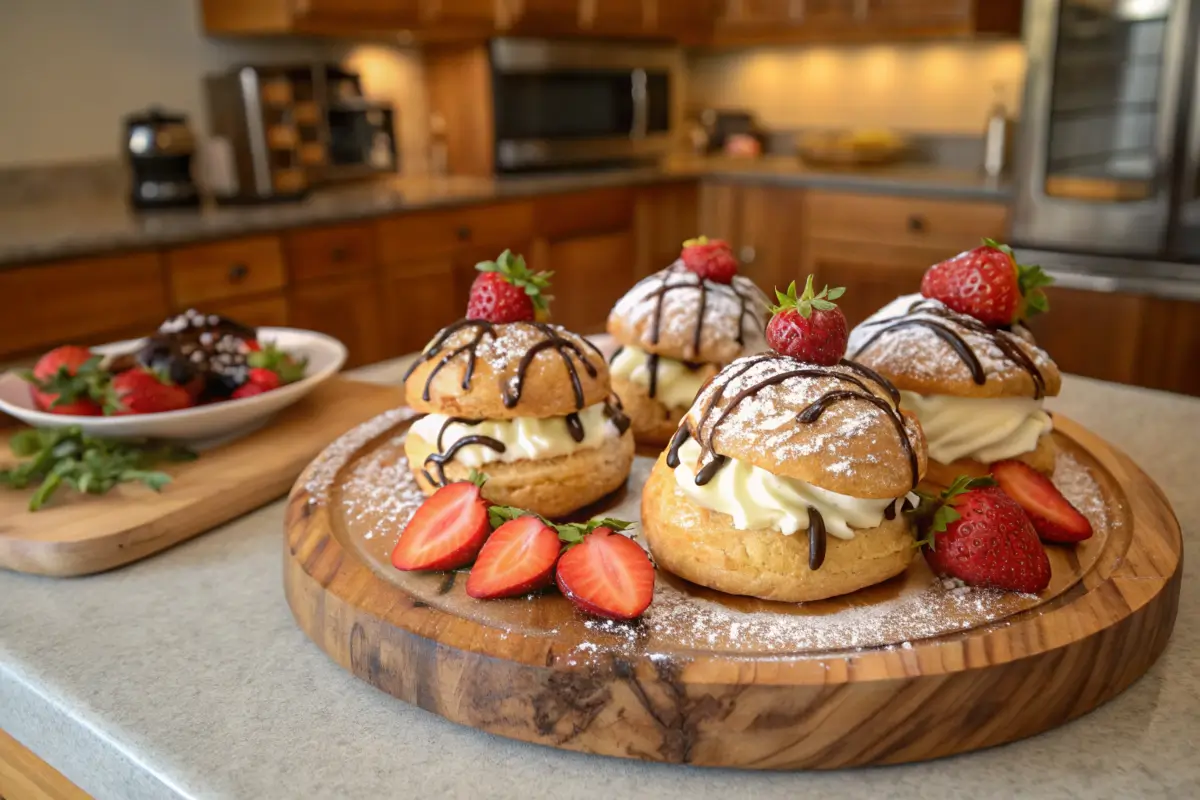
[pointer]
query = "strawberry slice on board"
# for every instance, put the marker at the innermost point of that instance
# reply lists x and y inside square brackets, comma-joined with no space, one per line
[447,531]
[1052,515]
[606,574]
[518,558]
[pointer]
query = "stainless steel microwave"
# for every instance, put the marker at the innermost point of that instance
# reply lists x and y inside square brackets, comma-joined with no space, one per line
[576,104]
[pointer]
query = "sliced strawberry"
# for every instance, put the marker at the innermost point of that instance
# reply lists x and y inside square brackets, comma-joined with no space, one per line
[264,378]
[516,559]
[608,575]
[140,391]
[1052,515]
[446,532]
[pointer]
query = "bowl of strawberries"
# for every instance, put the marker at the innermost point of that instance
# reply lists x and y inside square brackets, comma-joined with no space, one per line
[198,378]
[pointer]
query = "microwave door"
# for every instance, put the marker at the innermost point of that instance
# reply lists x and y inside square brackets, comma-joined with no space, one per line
[1101,108]
[1185,227]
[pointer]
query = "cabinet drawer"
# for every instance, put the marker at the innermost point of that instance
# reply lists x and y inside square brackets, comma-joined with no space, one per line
[324,252]
[420,235]
[80,301]
[560,216]
[215,271]
[943,224]
[270,311]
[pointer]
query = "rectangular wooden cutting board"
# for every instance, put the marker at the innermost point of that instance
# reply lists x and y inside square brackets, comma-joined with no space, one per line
[80,535]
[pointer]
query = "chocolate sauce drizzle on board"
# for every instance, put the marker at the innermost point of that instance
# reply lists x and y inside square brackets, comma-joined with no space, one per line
[482,330]
[713,461]
[1003,340]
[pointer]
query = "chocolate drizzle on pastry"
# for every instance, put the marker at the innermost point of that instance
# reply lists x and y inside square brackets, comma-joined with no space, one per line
[442,456]
[694,281]
[935,320]
[715,413]
[482,330]
[652,362]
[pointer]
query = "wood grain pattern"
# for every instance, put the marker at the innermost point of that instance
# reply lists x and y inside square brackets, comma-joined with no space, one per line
[24,776]
[218,270]
[950,225]
[80,535]
[458,79]
[535,671]
[350,309]
[328,252]
[83,301]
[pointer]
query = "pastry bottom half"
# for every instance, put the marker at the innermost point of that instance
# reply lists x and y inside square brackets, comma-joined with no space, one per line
[652,422]
[551,487]
[703,547]
[1040,458]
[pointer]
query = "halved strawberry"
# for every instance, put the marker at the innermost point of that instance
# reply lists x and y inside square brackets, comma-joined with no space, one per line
[608,575]
[1052,515]
[446,532]
[516,559]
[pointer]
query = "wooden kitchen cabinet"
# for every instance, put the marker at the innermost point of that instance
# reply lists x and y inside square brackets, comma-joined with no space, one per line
[873,275]
[1093,333]
[84,301]
[348,309]
[764,226]
[269,311]
[665,217]
[547,17]
[309,16]
[202,273]
[419,299]
[615,17]
[1168,355]
[591,273]
[329,251]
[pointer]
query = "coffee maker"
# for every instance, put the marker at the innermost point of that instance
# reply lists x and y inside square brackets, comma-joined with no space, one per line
[160,146]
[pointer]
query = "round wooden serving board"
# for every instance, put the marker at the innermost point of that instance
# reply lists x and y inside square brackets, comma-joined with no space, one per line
[908,670]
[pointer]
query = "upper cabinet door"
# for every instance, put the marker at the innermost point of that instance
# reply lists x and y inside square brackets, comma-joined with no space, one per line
[382,13]
[452,15]
[545,17]
[689,23]
[615,17]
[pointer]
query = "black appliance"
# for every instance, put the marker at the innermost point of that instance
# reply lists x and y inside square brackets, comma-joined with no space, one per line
[564,104]
[160,146]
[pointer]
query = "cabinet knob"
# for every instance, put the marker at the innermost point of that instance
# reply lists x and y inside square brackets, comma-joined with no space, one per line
[747,255]
[916,224]
[238,272]
[464,234]
[338,254]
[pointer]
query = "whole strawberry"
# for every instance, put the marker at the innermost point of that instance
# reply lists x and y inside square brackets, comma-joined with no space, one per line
[139,391]
[809,327]
[988,284]
[67,380]
[975,532]
[508,291]
[711,259]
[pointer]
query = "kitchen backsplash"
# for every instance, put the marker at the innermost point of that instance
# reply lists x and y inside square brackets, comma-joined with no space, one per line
[75,67]
[936,88]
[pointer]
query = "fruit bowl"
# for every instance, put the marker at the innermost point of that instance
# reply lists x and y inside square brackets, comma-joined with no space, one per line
[201,424]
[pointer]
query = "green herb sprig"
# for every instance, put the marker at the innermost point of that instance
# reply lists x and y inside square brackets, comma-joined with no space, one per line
[67,456]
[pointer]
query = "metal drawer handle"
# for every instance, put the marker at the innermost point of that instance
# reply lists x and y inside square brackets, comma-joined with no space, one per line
[464,234]
[916,224]
[238,272]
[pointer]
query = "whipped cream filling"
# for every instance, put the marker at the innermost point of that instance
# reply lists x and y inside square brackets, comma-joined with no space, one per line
[985,429]
[676,385]
[524,438]
[758,499]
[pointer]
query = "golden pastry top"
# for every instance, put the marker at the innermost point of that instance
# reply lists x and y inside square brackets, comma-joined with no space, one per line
[838,428]
[922,346]
[677,314]
[482,370]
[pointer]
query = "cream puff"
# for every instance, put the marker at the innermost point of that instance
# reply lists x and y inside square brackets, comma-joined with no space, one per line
[978,391]
[527,403]
[786,480]
[675,330]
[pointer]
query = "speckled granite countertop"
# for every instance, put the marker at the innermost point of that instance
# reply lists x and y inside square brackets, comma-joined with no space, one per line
[93,224]
[185,676]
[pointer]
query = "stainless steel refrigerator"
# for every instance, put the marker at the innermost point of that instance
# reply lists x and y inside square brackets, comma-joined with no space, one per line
[1108,166]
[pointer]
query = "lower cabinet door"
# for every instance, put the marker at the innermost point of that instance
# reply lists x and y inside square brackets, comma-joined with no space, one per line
[347,309]
[419,299]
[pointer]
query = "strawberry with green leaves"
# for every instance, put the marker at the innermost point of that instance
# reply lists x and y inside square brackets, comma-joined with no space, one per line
[975,532]
[143,391]
[506,290]
[711,259]
[988,284]
[810,326]
[68,380]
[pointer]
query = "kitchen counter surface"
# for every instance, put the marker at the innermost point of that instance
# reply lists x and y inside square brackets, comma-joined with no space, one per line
[185,676]
[91,224]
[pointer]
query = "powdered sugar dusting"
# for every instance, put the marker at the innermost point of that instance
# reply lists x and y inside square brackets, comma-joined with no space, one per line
[331,460]
[924,354]
[681,308]
[380,489]
[1081,490]
[502,346]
